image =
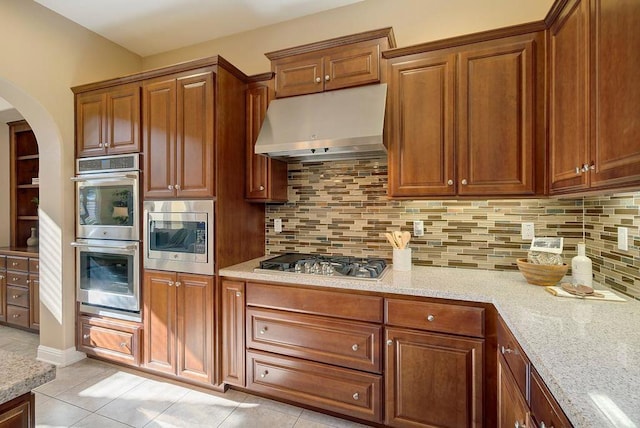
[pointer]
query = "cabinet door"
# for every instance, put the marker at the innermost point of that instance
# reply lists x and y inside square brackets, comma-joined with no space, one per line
[159,321]
[34,302]
[615,89]
[19,412]
[568,96]
[194,332]
[266,178]
[357,65]
[123,120]
[512,407]
[421,133]
[433,380]
[194,138]
[298,75]
[159,137]
[233,339]
[544,408]
[496,118]
[91,126]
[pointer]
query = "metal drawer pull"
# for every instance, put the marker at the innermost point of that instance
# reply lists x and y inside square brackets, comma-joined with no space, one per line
[430,318]
[170,187]
[519,425]
[177,186]
[1,276]
[28,281]
[356,396]
[261,187]
[170,284]
[389,342]
[355,347]
[16,296]
[464,181]
[327,77]
[263,330]
[506,350]
[86,336]
[16,315]
[264,373]
[14,279]
[238,294]
[14,263]
[450,182]
[123,344]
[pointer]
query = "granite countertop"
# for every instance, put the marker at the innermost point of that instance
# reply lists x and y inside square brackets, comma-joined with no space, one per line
[21,374]
[587,352]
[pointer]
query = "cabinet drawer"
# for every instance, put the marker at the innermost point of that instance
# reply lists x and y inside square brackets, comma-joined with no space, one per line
[18,263]
[544,407]
[34,266]
[18,278]
[349,344]
[18,316]
[339,390]
[443,318]
[18,296]
[316,302]
[515,358]
[109,339]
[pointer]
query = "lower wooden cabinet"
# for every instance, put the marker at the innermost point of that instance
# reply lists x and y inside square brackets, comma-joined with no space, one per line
[110,339]
[178,324]
[19,412]
[512,407]
[232,324]
[19,285]
[433,380]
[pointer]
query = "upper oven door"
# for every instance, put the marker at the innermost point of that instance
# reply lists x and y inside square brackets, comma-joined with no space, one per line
[107,206]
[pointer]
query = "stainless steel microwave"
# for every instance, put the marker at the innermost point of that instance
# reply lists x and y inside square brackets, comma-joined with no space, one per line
[178,236]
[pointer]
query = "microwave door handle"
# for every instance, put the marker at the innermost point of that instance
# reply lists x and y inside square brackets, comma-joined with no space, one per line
[124,247]
[105,177]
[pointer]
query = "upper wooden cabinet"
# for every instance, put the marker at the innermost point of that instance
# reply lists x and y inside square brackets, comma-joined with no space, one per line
[467,120]
[266,178]
[108,121]
[178,136]
[332,64]
[594,133]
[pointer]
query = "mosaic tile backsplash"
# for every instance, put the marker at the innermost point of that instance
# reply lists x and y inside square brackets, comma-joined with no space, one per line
[342,208]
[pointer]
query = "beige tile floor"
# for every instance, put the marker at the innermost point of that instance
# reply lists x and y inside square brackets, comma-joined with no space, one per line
[94,394]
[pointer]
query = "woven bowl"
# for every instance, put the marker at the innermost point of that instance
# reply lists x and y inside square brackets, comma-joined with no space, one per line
[542,274]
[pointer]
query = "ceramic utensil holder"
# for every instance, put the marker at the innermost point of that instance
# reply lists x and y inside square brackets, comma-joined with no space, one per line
[402,259]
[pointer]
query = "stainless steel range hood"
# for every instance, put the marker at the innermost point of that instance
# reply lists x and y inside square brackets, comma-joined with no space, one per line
[341,124]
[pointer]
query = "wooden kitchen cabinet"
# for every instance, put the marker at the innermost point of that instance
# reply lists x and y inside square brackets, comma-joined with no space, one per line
[21,290]
[467,120]
[3,288]
[594,134]
[110,339]
[233,327]
[178,135]
[444,370]
[266,178]
[512,407]
[108,121]
[332,64]
[19,412]
[178,324]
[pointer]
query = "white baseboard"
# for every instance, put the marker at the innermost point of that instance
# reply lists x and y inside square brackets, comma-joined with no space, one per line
[59,357]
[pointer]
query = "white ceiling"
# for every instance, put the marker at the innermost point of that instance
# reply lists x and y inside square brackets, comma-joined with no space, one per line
[148,27]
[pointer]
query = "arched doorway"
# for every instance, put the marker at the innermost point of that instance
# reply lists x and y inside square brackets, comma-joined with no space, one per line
[57,302]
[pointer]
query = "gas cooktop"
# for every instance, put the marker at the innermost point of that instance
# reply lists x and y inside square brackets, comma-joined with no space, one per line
[352,267]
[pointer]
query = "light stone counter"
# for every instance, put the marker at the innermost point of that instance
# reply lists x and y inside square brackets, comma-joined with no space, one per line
[587,352]
[21,374]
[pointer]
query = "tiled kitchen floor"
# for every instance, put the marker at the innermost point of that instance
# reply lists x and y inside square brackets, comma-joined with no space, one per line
[95,394]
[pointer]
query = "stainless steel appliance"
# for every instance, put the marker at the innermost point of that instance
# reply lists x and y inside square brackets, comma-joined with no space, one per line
[343,266]
[107,197]
[108,277]
[178,236]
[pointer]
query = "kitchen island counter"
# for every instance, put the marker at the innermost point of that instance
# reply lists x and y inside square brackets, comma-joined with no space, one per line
[20,375]
[585,351]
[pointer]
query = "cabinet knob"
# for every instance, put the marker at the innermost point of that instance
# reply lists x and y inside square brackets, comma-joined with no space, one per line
[100,145]
[327,77]
[28,281]
[170,187]
[261,187]
[16,315]
[318,80]
[238,294]
[464,182]
[178,283]
[430,318]
[355,347]
[14,278]
[356,396]
[519,425]
[389,342]
[263,330]
[15,296]
[578,170]
[264,373]
[1,277]
[123,344]
[14,264]
[450,182]
[177,187]
[86,336]
[170,283]
[542,425]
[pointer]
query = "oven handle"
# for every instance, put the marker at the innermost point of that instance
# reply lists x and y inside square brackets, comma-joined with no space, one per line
[105,177]
[124,247]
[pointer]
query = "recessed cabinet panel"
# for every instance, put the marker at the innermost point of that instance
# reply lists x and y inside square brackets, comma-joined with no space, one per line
[160,321]
[350,67]
[90,124]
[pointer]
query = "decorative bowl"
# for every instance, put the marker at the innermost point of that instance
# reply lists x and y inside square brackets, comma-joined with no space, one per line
[542,274]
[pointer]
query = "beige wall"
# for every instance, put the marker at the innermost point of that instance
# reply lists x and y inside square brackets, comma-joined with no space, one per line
[413,22]
[43,55]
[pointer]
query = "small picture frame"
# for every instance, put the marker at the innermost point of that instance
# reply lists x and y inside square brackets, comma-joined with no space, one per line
[547,245]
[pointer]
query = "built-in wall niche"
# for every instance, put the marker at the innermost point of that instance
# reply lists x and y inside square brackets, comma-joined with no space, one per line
[24,164]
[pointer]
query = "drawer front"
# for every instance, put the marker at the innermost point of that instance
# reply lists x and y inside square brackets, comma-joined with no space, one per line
[18,316]
[331,388]
[109,340]
[544,407]
[34,266]
[18,263]
[18,296]
[515,358]
[18,278]
[315,302]
[439,317]
[349,344]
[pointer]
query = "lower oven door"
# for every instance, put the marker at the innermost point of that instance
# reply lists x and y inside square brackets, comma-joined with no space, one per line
[108,274]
